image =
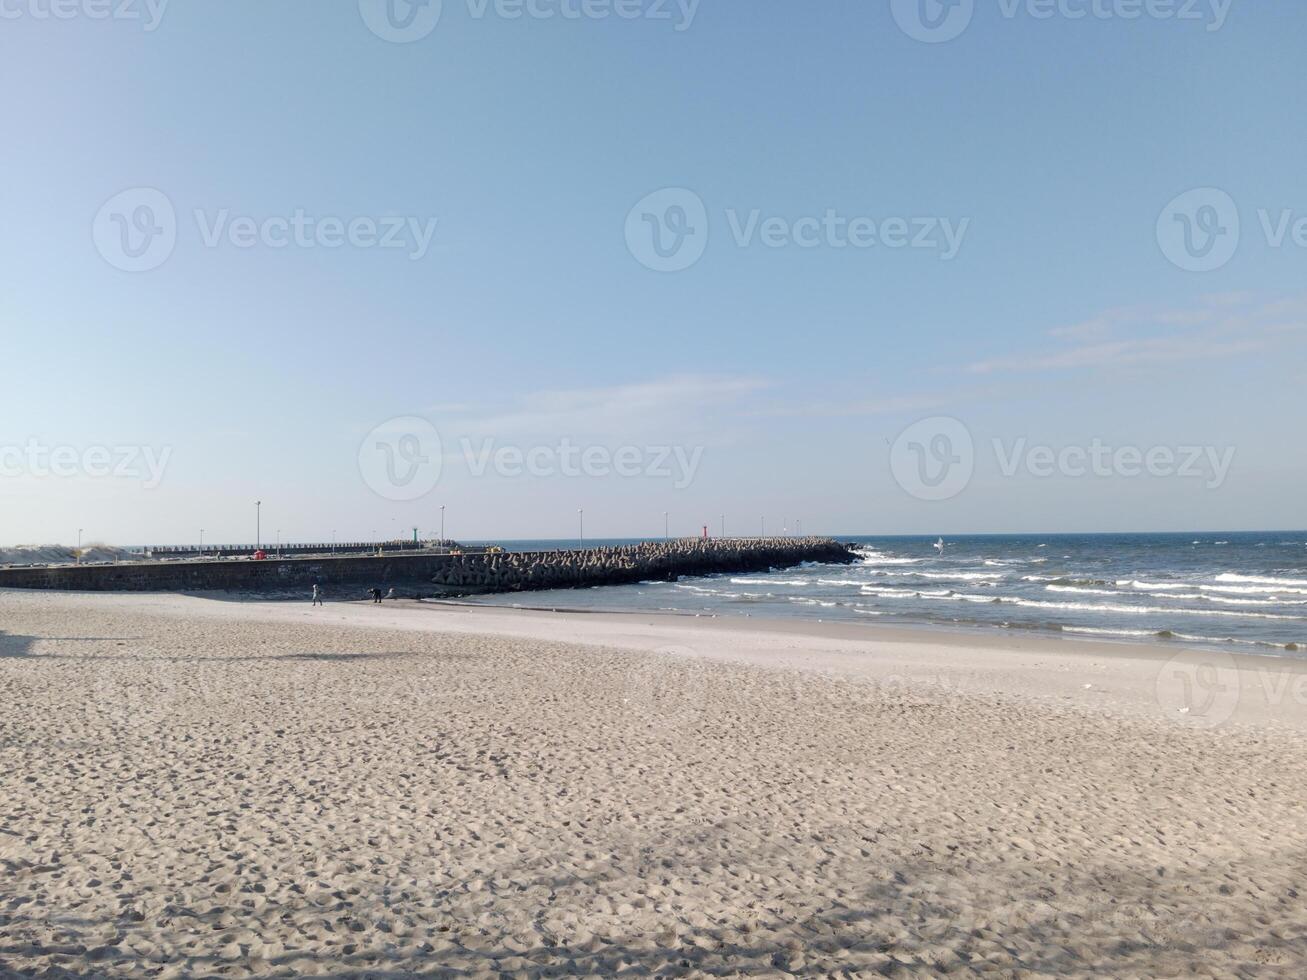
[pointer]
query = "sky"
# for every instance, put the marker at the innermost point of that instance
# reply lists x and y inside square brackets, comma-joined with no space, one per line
[616,267]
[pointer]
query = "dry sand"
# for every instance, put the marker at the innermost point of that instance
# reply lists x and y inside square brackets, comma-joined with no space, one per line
[202,788]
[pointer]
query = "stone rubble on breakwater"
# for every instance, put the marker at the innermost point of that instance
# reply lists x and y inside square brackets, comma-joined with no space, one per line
[648,561]
[435,573]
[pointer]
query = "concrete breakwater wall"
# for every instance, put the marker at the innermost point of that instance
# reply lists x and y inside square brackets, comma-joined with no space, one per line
[439,574]
[323,548]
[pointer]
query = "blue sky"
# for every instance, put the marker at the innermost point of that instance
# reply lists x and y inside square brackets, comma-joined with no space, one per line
[786,375]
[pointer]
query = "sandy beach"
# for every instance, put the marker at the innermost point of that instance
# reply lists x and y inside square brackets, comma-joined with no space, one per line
[195,787]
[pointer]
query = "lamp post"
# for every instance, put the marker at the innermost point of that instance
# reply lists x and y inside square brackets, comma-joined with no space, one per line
[201,540]
[666,534]
[258,524]
[278,542]
[79,545]
[442,524]
[333,540]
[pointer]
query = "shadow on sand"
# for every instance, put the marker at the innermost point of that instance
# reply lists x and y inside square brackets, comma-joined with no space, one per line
[13,645]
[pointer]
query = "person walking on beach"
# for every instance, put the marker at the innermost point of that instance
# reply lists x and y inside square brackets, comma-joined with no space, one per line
[376,595]
[317,595]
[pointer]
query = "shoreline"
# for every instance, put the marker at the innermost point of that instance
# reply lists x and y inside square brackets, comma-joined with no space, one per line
[1140,679]
[977,631]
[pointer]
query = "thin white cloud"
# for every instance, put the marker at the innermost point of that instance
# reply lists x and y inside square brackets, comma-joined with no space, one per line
[1221,325]
[886,405]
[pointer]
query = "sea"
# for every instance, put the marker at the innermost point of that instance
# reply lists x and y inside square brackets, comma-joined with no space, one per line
[1246,589]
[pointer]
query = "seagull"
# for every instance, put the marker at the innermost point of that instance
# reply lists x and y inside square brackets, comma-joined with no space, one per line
[939,546]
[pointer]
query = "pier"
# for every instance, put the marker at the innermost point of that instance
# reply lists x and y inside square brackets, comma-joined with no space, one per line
[437,572]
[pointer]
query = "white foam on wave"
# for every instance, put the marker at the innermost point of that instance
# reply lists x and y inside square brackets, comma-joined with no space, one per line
[959,576]
[771,581]
[1172,591]
[1083,591]
[1146,610]
[1088,607]
[1196,638]
[1255,602]
[1101,631]
[1169,634]
[891,593]
[1261,579]
[1253,589]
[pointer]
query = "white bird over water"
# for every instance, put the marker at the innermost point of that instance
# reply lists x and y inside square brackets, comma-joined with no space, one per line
[939,546]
